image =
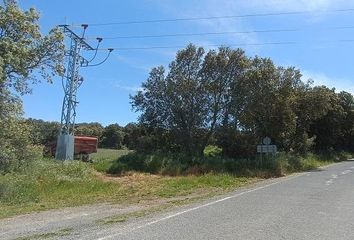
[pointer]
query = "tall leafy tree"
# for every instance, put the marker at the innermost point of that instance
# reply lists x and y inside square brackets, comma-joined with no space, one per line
[175,102]
[220,73]
[334,131]
[24,50]
[224,97]
[194,97]
[312,104]
[25,54]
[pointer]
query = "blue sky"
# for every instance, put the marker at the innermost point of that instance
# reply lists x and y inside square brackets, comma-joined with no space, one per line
[104,95]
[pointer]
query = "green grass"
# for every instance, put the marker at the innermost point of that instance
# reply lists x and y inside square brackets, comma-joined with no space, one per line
[179,164]
[189,184]
[104,158]
[48,184]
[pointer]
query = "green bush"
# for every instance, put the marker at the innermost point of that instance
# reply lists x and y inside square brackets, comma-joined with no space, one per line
[173,167]
[134,161]
[18,189]
[343,156]
[180,164]
[15,149]
[153,163]
[168,164]
[118,168]
[212,151]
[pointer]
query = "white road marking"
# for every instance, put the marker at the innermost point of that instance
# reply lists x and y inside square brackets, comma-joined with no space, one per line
[198,207]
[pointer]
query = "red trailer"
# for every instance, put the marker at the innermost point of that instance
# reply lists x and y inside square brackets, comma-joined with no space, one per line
[83,146]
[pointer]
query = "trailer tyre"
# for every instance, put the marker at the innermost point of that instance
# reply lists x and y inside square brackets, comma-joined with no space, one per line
[85,157]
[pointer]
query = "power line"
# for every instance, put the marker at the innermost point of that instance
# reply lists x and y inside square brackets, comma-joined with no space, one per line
[217,17]
[197,34]
[228,45]
[215,33]
[209,45]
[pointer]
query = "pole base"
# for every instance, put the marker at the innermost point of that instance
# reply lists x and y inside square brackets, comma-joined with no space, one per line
[65,147]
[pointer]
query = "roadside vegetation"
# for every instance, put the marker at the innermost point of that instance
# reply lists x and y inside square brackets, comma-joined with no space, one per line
[176,165]
[44,183]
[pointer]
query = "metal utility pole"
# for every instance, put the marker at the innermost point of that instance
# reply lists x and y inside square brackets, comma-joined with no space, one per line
[65,141]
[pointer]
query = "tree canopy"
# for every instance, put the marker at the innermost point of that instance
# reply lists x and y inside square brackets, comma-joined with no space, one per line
[24,50]
[225,97]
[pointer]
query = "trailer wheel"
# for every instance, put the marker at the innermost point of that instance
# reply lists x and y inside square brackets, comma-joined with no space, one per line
[85,157]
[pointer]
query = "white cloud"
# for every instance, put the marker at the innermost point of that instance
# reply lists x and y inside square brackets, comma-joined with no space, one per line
[128,88]
[340,84]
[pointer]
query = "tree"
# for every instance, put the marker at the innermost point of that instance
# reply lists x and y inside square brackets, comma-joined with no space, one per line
[138,137]
[94,129]
[334,131]
[220,73]
[112,137]
[25,51]
[42,132]
[264,100]
[224,97]
[194,98]
[175,103]
[312,104]
[24,54]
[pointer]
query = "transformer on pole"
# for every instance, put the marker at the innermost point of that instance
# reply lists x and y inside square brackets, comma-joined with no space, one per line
[65,141]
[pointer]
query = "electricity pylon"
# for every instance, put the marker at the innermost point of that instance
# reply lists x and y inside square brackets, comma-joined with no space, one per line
[65,141]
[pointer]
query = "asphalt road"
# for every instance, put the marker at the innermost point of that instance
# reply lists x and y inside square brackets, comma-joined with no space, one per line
[313,205]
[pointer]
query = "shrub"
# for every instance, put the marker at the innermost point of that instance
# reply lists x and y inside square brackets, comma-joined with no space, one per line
[180,164]
[212,151]
[15,149]
[153,163]
[343,156]
[134,161]
[117,168]
[295,163]
[173,167]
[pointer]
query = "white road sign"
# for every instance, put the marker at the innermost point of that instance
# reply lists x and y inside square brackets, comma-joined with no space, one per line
[266,148]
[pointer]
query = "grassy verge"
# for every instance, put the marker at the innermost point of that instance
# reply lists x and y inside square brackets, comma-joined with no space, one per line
[104,158]
[177,164]
[47,184]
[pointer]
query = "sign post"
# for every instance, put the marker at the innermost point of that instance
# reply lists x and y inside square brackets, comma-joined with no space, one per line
[266,147]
